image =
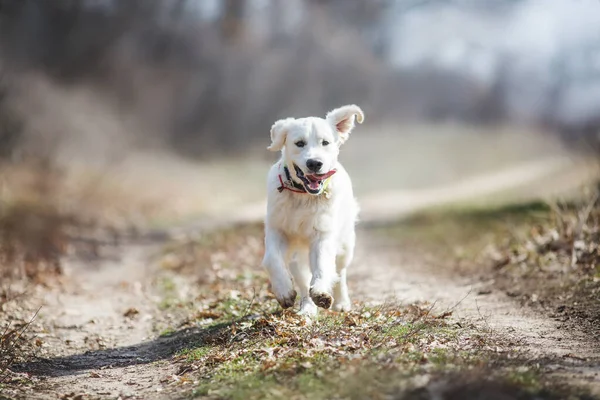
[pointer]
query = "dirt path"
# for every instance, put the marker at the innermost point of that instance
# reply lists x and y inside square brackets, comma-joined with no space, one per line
[112,305]
[105,307]
[383,272]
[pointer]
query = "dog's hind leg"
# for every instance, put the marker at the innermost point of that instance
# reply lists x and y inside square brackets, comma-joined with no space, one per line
[340,290]
[276,251]
[301,273]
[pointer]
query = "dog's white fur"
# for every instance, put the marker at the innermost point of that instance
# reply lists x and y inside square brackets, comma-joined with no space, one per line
[312,234]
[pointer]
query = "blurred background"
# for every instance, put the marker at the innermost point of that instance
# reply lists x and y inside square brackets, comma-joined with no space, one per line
[160,110]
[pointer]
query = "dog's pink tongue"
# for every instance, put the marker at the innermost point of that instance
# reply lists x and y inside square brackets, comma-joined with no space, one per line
[314,184]
[326,175]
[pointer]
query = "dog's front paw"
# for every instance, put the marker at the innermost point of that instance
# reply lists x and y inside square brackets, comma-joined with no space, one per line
[288,300]
[284,292]
[321,299]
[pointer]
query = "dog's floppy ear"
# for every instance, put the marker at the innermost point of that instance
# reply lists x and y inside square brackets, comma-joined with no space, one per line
[279,133]
[342,120]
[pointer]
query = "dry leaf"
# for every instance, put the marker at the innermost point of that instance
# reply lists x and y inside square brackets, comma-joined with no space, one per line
[131,312]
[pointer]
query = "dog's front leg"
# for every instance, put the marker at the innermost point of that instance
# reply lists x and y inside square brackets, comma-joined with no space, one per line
[276,251]
[322,265]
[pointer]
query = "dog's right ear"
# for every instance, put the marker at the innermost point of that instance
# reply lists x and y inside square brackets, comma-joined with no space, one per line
[279,132]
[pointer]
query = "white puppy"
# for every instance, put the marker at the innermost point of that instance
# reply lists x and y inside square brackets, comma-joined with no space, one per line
[311,211]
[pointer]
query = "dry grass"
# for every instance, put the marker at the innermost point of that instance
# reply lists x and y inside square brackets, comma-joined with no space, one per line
[14,345]
[32,239]
[33,229]
[555,264]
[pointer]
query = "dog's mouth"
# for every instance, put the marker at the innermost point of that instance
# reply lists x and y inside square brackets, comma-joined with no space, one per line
[313,183]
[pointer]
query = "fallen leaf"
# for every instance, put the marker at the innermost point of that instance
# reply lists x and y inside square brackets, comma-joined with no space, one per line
[208,314]
[351,320]
[444,315]
[130,312]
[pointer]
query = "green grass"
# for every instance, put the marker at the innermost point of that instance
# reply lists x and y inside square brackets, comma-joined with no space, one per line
[280,355]
[167,332]
[169,296]
[194,354]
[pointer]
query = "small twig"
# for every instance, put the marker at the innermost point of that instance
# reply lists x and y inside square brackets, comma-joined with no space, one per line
[489,328]
[560,219]
[379,309]
[28,323]
[7,328]
[245,313]
[418,328]
[242,318]
[13,345]
[460,301]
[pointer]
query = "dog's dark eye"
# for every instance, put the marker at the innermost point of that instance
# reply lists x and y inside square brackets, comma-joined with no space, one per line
[325,143]
[301,143]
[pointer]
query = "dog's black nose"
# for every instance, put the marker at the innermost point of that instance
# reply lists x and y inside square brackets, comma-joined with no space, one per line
[314,165]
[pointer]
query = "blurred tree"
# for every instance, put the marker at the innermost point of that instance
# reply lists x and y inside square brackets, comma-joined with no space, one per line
[11,127]
[232,23]
[206,75]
